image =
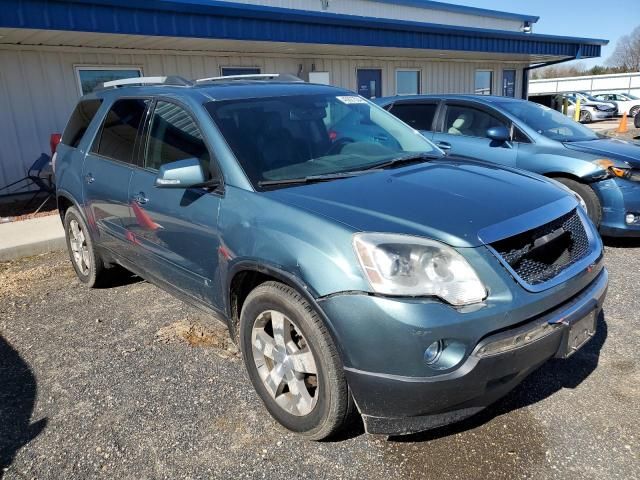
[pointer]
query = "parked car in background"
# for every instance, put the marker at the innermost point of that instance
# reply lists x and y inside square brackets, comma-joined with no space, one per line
[366,270]
[589,111]
[625,102]
[603,172]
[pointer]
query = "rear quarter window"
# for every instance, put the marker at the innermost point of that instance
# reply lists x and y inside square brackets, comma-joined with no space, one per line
[79,122]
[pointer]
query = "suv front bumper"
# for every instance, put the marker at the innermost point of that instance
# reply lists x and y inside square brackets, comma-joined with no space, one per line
[393,404]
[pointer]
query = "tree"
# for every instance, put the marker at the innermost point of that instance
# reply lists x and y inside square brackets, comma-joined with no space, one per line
[626,55]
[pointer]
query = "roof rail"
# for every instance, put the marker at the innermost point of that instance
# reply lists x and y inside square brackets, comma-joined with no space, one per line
[173,80]
[275,77]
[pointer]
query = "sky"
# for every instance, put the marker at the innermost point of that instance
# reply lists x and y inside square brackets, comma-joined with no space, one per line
[608,19]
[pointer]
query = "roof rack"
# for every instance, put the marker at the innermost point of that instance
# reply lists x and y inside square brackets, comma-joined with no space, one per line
[172,80]
[275,77]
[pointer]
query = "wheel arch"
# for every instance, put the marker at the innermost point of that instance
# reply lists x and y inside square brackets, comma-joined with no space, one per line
[246,275]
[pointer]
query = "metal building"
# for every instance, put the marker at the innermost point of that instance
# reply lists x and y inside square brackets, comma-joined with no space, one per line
[51,51]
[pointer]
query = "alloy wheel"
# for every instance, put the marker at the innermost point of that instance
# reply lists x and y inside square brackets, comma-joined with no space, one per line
[79,247]
[285,363]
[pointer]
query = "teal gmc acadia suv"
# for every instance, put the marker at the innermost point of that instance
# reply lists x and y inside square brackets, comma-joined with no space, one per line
[364,274]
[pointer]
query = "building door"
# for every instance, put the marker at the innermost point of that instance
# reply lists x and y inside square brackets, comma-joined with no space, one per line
[509,83]
[370,82]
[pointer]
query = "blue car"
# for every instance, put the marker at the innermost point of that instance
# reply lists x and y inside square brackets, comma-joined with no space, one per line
[369,276]
[603,172]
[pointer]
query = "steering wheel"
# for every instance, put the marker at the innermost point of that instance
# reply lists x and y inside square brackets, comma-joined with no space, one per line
[338,145]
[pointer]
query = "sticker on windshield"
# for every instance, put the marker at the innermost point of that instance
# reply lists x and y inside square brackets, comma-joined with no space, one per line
[350,100]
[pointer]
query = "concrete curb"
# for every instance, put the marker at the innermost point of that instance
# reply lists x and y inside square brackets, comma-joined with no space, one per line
[31,237]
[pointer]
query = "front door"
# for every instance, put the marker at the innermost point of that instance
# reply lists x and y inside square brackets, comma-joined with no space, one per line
[175,229]
[463,131]
[107,171]
[370,82]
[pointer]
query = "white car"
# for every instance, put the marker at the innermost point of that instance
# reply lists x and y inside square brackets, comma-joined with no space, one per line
[627,103]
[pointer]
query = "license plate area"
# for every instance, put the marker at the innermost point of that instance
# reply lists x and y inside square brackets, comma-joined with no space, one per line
[579,333]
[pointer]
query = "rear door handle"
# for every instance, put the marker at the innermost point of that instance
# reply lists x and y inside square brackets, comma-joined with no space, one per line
[89,178]
[140,199]
[444,145]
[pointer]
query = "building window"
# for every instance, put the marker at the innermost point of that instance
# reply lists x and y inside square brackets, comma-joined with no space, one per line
[90,78]
[484,82]
[509,83]
[229,71]
[407,82]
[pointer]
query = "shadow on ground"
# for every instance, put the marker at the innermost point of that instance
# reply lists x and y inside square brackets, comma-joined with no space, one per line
[17,398]
[622,242]
[551,377]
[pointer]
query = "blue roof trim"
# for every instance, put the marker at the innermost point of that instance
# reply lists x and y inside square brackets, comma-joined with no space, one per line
[447,7]
[224,20]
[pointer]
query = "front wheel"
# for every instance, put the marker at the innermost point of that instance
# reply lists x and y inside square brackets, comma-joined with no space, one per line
[585,116]
[634,111]
[292,362]
[587,197]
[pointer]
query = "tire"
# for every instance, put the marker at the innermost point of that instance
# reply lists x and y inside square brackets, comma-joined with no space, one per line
[586,193]
[326,407]
[86,261]
[585,116]
[634,111]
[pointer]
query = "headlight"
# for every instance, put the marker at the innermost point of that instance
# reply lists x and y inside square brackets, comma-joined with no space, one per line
[412,266]
[614,170]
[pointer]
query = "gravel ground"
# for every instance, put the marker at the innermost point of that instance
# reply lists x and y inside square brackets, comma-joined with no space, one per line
[128,382]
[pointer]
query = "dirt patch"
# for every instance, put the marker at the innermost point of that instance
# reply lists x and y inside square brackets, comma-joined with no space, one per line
[198,335]
[18,278]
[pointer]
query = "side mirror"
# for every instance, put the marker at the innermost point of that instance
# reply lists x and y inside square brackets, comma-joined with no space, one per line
[181,174]
[499,134]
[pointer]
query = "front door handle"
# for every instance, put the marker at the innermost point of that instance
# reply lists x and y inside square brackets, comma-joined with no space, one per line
[444,145]
[89,178]
[140,199]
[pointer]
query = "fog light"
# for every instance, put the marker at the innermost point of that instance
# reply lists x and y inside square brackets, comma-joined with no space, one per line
[630,218]
[433,352]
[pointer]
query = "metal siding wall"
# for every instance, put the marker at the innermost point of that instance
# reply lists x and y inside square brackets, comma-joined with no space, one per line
[369,8]
[38,89]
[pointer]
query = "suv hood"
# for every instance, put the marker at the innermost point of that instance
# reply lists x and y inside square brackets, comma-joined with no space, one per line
[615,149]
[451,200]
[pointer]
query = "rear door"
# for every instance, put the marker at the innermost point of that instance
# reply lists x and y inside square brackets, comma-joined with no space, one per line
[107,171]
[462,130]
[176,229]
[419,114]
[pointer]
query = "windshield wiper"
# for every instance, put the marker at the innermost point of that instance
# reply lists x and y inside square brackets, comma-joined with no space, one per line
[409,158]
[309,179]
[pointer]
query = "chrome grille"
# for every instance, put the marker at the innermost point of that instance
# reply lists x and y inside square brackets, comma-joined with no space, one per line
[540,254]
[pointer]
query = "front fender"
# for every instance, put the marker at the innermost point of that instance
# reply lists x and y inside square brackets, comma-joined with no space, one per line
[314,250]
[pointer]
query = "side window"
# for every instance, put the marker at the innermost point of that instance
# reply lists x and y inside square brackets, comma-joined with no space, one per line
[469,121]
[173,136]
[418,115]
[117,137]
[79,122]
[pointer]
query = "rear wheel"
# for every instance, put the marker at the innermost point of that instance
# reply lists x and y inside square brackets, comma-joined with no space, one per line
[85,260]
[292,362]
[588,198]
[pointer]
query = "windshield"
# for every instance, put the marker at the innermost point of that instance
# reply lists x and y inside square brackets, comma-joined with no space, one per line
[291,137]
[630,97]
[548,122]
